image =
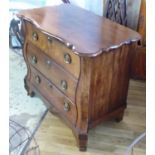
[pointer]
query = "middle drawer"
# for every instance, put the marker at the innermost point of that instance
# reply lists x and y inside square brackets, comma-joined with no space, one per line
[62,79]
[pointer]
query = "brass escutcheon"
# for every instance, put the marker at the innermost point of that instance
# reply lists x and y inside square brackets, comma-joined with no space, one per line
[67,58]
[35,36]
[63,85]
[37,79]
[66,106]
[34,59]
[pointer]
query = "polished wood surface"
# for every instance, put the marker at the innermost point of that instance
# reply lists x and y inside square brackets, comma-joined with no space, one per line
[139,60]
[41,38]
[48,90]
[54,49]
[52,71]
[83,31]
[87,86]
[108,138]
[139,64]
[57,51]
[110,81]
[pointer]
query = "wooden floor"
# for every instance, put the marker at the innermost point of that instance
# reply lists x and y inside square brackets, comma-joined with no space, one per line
[109,138]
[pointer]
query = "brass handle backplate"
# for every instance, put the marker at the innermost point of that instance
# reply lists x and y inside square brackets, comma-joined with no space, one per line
[35,36]
[63,85]
[37,79]
[67,58]
[34,59]
[66,106]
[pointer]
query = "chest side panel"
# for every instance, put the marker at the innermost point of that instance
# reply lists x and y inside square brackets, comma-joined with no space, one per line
[109,82]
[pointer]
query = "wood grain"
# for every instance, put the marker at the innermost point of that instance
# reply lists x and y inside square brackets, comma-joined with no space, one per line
[102,90]
[110,83]
[42,38]
[139,64]
[53,95]
[82,29]
[96,69]
[57,50]
[54,49]
[52,71]
[83,104]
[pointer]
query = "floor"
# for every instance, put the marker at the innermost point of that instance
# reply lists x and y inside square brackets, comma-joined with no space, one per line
[109,138]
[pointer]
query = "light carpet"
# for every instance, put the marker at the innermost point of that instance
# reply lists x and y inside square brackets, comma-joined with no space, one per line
[24,112]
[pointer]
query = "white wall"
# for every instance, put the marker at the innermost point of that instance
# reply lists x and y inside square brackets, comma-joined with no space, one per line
[53,2]
[95,6]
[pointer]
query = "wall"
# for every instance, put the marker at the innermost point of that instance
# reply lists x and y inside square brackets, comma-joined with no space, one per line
[96,6]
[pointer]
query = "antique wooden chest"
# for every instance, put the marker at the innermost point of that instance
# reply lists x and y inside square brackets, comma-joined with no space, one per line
[79,64]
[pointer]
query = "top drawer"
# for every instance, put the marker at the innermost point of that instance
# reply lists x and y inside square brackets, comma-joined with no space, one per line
[38,38]
[60,53]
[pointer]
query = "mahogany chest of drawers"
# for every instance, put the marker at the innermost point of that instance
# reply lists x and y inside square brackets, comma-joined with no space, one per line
[79,64]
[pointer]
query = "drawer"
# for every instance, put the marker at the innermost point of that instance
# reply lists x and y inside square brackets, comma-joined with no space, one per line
[62,79]
[64,56]
[46,88]
[55,49]
[38,38]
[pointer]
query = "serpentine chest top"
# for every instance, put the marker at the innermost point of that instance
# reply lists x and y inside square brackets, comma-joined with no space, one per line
[79,64]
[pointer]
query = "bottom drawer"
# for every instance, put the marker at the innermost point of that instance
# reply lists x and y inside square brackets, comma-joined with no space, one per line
[48,90]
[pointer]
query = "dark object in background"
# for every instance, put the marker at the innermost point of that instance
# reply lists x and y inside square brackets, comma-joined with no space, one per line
[15,36]
[116,11]
[66,1]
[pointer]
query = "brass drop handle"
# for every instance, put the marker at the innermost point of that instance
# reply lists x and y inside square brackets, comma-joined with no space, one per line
[67,58]
[66,106]
[35,36]
[34,59]
[63,85]
[37,79]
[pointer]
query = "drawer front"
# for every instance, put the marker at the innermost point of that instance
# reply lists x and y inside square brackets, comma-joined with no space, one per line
[65,57]
[55,49]
[38,38]
[62,80]
[63,104]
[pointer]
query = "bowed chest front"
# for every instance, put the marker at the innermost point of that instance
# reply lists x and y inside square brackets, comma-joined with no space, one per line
[79,64]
